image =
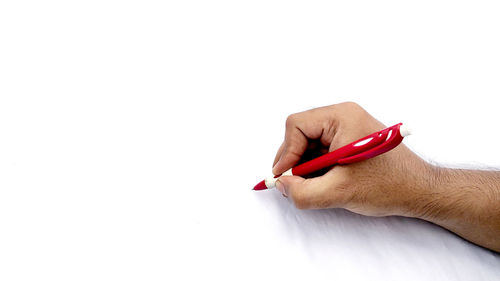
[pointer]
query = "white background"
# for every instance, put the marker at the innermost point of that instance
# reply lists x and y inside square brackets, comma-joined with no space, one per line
[131,133]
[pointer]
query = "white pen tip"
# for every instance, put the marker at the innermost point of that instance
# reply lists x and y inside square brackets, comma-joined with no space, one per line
[270,182]
[404,130]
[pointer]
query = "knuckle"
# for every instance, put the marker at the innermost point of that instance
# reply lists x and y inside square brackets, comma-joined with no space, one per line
[291,120]
[351,104]
[352,108]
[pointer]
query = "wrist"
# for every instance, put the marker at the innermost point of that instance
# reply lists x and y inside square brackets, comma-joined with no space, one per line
[423,191]
[450,195]
[439,199]
[462,201]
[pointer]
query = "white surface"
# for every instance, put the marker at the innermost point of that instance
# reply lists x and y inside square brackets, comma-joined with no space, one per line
[131,134]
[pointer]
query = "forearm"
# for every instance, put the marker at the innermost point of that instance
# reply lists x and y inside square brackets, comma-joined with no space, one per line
[466,202]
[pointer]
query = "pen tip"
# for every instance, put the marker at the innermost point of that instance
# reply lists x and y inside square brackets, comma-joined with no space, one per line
[260,186]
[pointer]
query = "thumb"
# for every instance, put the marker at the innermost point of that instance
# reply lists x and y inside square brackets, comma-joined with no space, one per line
[284,183]
[305,193]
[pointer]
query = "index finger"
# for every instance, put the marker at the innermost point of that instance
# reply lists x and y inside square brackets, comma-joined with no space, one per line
[300,127]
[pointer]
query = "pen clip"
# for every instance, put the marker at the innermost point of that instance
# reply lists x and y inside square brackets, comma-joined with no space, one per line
[387,139]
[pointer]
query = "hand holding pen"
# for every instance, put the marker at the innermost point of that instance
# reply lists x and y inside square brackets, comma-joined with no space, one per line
[367,170]
[362,149]
[374,186]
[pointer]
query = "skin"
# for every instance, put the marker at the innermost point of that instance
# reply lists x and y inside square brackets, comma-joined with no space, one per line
[466,202]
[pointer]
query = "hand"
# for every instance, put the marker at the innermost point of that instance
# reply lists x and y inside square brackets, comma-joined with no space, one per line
[389,184]
[397,182]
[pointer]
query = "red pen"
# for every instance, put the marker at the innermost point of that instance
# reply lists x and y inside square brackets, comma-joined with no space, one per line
[362,149]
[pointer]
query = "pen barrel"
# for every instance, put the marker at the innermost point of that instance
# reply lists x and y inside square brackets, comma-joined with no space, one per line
[321,162]
[364,148]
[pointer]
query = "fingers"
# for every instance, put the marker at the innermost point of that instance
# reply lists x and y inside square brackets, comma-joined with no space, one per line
[300,128]
[313,193]
[294,146]
[313,133]
[278,154]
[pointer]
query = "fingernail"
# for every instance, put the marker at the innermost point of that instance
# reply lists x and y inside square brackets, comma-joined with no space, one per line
[281,187]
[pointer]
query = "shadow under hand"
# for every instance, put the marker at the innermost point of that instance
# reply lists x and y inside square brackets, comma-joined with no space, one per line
[339,231]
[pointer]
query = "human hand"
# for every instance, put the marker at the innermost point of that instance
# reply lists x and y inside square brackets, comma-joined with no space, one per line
[389,184]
